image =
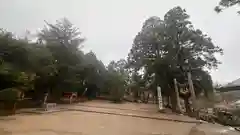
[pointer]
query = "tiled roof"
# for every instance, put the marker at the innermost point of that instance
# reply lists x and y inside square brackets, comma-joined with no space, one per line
[233,83]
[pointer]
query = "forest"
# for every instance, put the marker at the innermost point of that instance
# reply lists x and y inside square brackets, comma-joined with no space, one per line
[164,49]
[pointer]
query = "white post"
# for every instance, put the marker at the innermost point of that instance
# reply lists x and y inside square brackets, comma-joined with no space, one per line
[45,98]
[44,105]
[160,103]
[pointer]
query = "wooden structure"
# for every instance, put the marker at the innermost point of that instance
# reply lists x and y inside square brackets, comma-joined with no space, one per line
[70,96]
[232,86]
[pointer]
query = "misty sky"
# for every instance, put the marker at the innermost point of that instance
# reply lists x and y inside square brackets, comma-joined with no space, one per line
[111,25]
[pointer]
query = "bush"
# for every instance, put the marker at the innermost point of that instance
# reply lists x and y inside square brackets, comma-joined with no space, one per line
[9,94]
[117,95]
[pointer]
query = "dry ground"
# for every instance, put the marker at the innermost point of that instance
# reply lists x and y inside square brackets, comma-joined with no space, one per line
[87,123]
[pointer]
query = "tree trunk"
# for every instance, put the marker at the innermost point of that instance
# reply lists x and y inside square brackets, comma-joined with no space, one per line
[165,101]
[191,88]
[169,101]
[177,96]
[148,94]
[14,107]
[135,95]
[155,96]
[187,106]
[173,102]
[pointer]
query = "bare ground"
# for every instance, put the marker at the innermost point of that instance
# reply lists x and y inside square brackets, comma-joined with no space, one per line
[87,123]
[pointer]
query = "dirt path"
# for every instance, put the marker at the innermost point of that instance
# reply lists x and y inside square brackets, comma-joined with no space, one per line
[85,123]
[135,113]
[81,123]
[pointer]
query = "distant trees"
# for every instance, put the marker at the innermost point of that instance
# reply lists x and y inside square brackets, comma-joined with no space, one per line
[55,64]
[217,85]
[164,49]
[62,40]
[63,32]
[117,79]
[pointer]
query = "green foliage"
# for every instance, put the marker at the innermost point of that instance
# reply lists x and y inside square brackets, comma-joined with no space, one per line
[63,33]
[117,79]
[116,86]
[15,67]
[223,4]
[53,64]
[163,47]
[9,94]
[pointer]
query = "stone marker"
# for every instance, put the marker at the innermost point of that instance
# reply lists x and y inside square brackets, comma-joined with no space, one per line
[48,106]
[160,103]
